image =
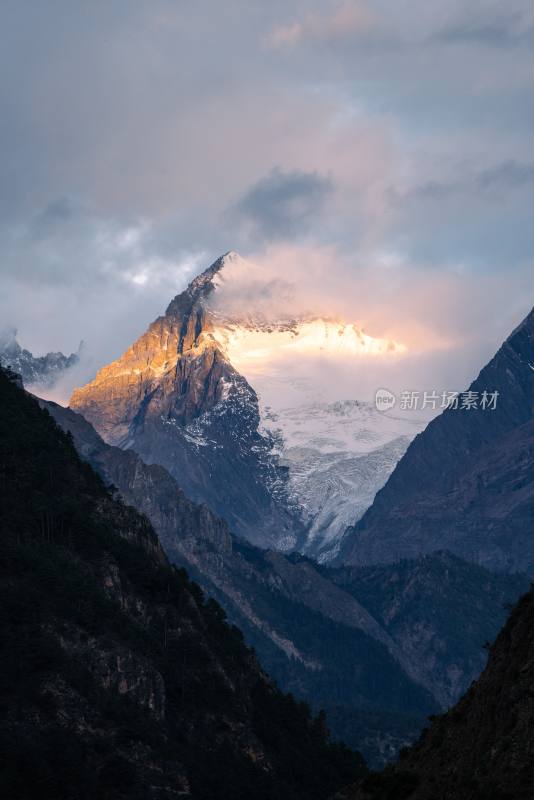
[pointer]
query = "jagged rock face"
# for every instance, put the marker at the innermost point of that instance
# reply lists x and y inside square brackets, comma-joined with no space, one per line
[481,748]
[175,370]
[467,482]
[178,401]
[430,616]
[117,679]
[38,370]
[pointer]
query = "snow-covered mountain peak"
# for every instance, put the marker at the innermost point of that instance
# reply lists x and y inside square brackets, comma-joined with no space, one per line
[256,317]
[239,364]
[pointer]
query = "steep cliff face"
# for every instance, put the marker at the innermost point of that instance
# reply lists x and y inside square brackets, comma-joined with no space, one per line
[176,399]
[466,483]
[174,370]
[117,679]
[407,638]
[482,748]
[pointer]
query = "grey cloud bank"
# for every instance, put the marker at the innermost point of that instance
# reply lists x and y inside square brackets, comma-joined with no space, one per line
[284,204]
[139,141]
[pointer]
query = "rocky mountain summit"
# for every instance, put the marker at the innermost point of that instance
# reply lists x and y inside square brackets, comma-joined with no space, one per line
[466,483]
[177,400]
[41,371]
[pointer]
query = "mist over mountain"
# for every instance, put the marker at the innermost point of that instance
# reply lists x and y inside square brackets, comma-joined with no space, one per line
[289,479]
[176,398]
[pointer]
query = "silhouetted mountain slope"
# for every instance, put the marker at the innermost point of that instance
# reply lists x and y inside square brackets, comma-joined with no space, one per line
[466,483]
[117,679]
[364,643]
[482,748]
[317,641]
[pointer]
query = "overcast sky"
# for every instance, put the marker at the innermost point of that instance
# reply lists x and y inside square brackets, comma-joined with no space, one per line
[389,144]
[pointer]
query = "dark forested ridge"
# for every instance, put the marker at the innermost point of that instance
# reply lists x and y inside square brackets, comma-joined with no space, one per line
[482,748]
[117,678]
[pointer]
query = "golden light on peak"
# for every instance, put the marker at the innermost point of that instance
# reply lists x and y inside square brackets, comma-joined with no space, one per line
[246,344]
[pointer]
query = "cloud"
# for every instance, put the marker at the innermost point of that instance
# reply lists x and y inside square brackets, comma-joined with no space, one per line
[506,176]
[69,274]
[345,19]
[492,24]
[474,216]
[447,342]
[284,205]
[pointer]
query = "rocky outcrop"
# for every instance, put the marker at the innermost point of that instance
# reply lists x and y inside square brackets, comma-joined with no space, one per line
[37,370]
[176,399]
[466,484]
[117,678]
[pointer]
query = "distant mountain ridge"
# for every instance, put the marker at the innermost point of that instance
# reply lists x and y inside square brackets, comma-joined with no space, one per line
[40,370]
[466,483]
